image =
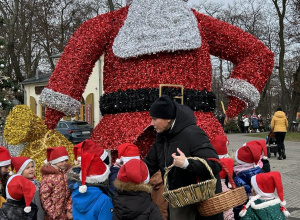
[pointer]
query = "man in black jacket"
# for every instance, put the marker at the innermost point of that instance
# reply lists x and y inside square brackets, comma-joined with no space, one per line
[178,137]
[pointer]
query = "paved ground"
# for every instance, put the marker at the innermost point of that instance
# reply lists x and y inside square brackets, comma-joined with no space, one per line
[289,169]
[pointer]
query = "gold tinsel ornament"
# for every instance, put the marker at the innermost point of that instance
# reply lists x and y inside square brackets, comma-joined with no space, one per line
[24,127]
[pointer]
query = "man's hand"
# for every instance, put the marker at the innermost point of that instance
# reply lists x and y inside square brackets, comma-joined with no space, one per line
[178,160]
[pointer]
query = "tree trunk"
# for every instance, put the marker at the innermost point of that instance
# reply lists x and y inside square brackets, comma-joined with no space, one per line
[295,98]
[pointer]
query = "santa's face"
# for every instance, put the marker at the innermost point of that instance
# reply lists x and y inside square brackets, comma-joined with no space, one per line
[160,125]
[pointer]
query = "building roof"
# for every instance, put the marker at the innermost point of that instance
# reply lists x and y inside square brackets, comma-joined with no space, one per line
[33,80]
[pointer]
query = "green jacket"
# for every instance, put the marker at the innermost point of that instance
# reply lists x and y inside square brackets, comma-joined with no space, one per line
[266,210]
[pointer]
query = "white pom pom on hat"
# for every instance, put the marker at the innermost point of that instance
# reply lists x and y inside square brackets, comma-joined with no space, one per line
[27,209]
[20,188]
[83,189]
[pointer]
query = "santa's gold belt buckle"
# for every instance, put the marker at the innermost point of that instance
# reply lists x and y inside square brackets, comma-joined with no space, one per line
[172,85]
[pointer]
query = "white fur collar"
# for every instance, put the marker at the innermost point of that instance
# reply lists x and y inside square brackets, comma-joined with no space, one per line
[154,26]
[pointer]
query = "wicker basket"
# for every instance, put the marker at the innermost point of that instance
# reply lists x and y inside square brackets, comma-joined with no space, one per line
[193,193]
[225,200]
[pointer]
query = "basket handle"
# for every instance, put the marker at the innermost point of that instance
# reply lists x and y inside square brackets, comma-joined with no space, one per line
[194,158]
[226,170]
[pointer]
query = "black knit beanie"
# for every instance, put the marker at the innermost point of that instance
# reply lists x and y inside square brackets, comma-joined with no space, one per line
[163,108]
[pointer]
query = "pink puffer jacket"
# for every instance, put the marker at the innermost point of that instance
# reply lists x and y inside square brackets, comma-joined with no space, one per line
[54,193]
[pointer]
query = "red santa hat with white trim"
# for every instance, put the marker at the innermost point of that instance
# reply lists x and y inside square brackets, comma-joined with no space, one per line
[264,184]
[220,144]
[56,155]
[93,170]
[248,154]
[77,153]
[19,164]
[262,145]
[90,147]
[126,152]
[5,158]
[134,171]
[19,188]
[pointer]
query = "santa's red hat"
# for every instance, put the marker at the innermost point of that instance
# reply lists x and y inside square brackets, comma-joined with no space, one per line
[93,170]
[126,152]
[92,147]
[248,154]
[228,162]
[220,144]
[57,154]
[20,163]
[261,144]
[264,184]
[5,158]
[19,188]
[134,171]
[77,153]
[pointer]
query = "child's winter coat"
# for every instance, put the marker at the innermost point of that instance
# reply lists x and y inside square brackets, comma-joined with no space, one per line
[261,209]
[54,193]
[93,204]
[134,202]
[14,210]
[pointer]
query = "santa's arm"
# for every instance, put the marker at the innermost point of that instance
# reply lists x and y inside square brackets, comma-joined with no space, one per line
[253,61]
[67,83]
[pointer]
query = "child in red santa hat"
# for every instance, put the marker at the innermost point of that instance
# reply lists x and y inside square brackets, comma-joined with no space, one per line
[20,192]
[132,198]
[89,201]
[220,145]
[126,152]
[5,161]
[247,158]
[54,192]
[91,147]
[265,205]
[26,167]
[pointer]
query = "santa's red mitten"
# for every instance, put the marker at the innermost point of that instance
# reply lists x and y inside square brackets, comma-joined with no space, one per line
[52,116]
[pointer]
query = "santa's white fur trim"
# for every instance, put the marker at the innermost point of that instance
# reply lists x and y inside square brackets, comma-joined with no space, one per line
[97,178]
[46,162]
[242,90]
[258,190]
[283,203]
[169,26]
[104,155]
[61,102]
[264,157]
[240,161]
[83,189]
[251,200]
[27,209]
[75,162]
[126,159]
[265,204]
[57,160]
[11,173]
[5,163]
[286,213]
[24,166]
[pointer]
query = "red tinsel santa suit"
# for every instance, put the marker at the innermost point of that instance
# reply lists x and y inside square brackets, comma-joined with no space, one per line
[148,43]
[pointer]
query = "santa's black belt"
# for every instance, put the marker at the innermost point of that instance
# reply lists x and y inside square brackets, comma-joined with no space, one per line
[141,99]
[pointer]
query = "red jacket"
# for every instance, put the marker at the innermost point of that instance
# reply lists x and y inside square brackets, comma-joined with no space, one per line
[54,193]
[253,63]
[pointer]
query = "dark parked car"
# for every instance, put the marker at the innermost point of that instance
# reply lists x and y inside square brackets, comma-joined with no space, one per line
[75,131]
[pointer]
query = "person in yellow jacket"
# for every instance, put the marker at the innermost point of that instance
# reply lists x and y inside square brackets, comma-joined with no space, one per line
[279,126]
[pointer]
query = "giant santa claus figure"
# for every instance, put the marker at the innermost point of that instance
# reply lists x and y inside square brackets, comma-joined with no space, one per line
[146,44]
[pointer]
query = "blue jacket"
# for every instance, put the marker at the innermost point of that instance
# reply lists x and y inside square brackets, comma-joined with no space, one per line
[243,178]
[92,205]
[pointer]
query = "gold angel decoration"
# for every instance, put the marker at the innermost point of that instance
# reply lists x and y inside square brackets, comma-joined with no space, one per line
[24,127]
